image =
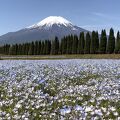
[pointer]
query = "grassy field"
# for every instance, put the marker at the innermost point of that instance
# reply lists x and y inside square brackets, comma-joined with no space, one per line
[50,57]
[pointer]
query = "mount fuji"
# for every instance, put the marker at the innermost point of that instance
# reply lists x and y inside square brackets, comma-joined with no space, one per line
[46,29]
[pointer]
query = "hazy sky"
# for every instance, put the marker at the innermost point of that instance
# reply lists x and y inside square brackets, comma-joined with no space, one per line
[89,14]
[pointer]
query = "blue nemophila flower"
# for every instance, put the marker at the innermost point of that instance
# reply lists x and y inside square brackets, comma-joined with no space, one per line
[41,81]
[64,89]
[64,111]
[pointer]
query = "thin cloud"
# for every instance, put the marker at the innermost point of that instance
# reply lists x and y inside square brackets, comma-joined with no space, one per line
[106,16]
[97,27]
[99,14]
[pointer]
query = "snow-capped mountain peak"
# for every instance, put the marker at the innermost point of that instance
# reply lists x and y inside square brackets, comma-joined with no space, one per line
[49,21]
[47,29]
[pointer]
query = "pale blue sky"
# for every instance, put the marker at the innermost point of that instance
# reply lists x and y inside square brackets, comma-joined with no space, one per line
[89,14]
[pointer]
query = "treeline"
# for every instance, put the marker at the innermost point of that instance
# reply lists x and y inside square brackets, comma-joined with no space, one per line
[89,43]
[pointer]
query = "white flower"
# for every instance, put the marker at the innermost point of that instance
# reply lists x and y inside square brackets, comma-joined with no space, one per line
[26,119]
[99,112]
[78,108]
[88,109]
[18,105]
[37,106]
[115,113]
[112,108]
[104,109]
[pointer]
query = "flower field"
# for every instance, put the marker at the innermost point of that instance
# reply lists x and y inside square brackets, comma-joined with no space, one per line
[59,89]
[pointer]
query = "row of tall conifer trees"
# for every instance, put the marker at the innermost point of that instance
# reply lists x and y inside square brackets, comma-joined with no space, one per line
[89,43]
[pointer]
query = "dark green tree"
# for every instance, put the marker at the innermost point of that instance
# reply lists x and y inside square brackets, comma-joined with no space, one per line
[87,43]
[75,44]
[49,47]
[81,43]
[39,48]
[68,39]
[111,42]
[16,49]
[27,49]
[12,50]
[61,46]
[96,42]
[23,49]
[31,49]
[103,42]
[36,48]
[7,49]
[55,46]
[92,45]
[71,43]
[117,45]
[42,48]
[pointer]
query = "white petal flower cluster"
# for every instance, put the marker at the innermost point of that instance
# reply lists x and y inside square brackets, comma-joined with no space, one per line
[59,89]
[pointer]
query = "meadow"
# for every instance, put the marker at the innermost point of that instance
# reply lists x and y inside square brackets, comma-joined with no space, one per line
[59,57]
[71,89]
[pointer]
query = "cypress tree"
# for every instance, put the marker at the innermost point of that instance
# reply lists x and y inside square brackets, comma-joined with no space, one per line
[117,45]
[61,46]
[87,44]
[68,44]
[55,46]
[46,47]
[111,42]
[36,48]
[92,45]
[18,52]
[16,49]
[22,49]
[1,50]
[27,48]
[96,42]
[64,48]
[39,48]
[71,43]
[4,49]
[31,49]
[103,42]
[81,43]
[49,46]
[75,45]
[7,49]
[12,50]
[69,40]
[42,48]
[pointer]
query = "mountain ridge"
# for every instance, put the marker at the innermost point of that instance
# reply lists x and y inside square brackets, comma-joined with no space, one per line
[48,28]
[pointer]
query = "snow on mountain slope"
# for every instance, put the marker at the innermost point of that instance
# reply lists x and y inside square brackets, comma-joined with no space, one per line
[46,29]
[49,21]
